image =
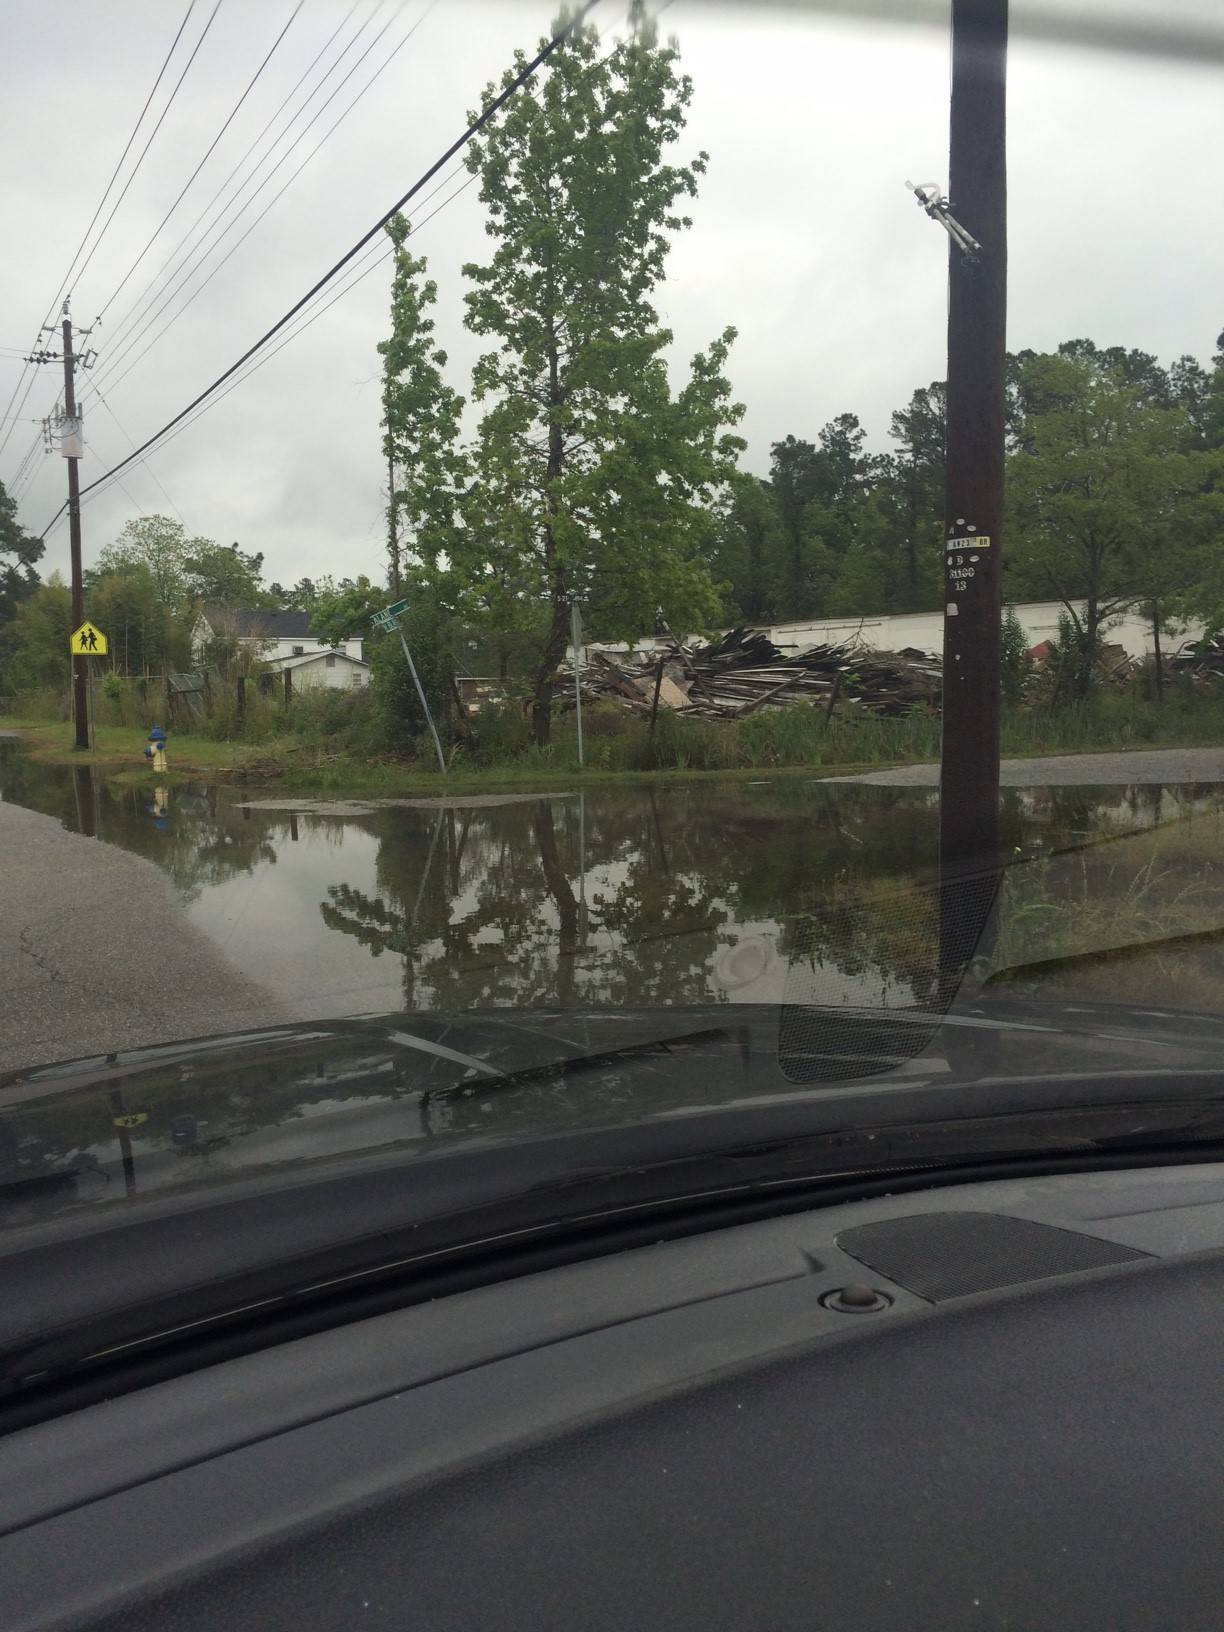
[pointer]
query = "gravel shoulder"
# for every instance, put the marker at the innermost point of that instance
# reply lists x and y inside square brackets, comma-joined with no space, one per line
[97,955]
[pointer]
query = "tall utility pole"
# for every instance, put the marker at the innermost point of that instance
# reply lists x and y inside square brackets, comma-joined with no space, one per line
[80,680]
[973,520]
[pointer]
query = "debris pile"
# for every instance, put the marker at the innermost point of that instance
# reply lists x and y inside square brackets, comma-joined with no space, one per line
[744,671]
[1202,660]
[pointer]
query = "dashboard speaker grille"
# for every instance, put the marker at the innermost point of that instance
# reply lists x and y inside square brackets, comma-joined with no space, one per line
[951,1255]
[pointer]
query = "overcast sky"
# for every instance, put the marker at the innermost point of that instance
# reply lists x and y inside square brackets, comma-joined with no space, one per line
[803,238]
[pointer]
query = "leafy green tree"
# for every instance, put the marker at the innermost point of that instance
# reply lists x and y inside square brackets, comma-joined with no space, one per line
[917,473]
[420,419]
[1017,665]
[345,611]
[401,719]
[1099,493]
[743,548]
[37,638]
[144,635]
[803,570]
[18,553]
[162,547]
[588,468]
[215,575]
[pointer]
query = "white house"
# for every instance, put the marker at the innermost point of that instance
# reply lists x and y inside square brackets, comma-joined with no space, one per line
[335,670]
[282,640]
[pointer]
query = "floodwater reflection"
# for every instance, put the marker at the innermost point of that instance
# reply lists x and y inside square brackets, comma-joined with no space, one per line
[679,893]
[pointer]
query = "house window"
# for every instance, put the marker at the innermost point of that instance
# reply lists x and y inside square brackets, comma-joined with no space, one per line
[299,651]
[357,677]
[329,662]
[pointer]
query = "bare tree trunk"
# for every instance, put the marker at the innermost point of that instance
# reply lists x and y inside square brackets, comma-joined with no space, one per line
[558,633]
[1156,652]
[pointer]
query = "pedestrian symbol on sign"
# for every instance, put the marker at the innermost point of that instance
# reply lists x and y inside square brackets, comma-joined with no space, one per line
[88,641]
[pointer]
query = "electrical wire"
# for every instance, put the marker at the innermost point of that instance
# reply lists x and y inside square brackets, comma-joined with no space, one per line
[478,124]
[101,204]
[195,50]
[131,441]
[251,83]
[148,293]
[133,339]
[383,255]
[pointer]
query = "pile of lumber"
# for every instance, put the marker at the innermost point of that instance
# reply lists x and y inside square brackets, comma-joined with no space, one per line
[744,671]
[1202,660]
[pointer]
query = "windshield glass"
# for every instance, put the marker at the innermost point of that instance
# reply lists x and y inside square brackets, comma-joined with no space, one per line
[516,526]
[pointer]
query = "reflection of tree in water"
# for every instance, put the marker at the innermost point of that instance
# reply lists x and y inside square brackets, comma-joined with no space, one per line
[489,908]
[203,842]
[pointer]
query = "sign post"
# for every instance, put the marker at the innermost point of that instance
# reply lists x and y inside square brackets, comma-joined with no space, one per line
[389,621]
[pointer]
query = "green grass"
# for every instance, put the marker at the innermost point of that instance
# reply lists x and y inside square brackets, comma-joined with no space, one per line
[496,750]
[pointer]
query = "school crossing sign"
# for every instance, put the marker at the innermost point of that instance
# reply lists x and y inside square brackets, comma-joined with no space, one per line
[88,641]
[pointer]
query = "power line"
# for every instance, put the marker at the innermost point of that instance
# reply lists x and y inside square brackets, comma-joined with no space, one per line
[133,339]
[101,203]
[131,440]
[383,255]
[251,83]
[477,125]
[152,135]
[147,292]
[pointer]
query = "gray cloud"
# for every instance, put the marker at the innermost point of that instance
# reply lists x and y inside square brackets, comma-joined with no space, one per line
[803,236]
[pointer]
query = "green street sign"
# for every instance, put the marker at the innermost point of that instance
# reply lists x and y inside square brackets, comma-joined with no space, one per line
[396,611]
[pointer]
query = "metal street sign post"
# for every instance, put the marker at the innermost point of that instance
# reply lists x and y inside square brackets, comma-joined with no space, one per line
[389,621]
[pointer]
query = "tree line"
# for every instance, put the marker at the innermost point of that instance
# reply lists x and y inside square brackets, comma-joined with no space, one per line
[584,465]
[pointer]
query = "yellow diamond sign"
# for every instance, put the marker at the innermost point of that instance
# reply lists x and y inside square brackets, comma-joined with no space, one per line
[88,642]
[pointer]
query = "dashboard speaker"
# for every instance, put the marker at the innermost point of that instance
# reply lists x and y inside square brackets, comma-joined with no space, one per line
[952,1255]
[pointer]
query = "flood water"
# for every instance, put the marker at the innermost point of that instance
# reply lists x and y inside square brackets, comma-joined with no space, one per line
[637,896]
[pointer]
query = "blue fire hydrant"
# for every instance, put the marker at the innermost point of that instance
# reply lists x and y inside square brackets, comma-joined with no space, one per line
[156,748]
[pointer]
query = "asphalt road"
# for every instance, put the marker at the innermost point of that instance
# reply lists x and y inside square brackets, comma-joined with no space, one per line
[1146,765]
[97,955]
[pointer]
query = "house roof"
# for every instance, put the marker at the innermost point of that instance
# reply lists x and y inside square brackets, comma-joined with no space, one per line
[304,658]
[259,625]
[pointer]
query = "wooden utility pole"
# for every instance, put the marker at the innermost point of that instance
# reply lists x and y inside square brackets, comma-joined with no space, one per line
[80,676]
[976,208]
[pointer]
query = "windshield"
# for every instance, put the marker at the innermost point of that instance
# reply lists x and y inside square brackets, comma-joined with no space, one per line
[516,526]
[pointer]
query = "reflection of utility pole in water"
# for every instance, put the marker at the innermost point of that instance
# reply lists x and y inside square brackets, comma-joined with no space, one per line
[86,808]
[977,309]
[582,900]
[563,899]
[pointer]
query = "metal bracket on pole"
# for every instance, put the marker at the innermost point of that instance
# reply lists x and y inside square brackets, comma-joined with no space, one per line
[930,199]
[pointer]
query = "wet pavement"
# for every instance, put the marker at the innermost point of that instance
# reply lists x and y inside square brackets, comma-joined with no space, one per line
[96,953]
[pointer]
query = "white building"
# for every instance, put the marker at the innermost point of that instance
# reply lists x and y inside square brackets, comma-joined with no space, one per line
[923,631]
[282,640]
[892,632]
